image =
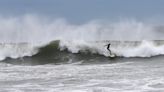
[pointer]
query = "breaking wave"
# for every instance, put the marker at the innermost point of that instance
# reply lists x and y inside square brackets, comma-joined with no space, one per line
[120,48]
[33,36]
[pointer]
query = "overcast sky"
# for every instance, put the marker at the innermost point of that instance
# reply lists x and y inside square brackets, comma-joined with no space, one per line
[84,10]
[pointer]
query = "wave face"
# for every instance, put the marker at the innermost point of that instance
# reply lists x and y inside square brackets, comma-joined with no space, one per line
[29,35]
[63,48]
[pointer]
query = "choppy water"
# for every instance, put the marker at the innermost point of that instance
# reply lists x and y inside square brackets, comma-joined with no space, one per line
[110,75]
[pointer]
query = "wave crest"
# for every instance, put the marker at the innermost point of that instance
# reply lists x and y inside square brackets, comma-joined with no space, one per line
[120,48]
[54,48]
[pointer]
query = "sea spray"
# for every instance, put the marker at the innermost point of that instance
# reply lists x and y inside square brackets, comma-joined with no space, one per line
[30,28]
[128,38]
[14,50]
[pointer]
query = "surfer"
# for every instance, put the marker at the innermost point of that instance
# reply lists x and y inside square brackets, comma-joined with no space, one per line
[108,48]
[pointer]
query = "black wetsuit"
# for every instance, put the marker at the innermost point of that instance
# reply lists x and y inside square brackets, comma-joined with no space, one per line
[108,46]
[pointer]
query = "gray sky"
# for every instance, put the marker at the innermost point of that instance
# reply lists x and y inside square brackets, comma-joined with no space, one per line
[84,10]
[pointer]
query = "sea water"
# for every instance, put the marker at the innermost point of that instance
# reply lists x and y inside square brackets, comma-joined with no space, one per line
[119,75]
[56,56]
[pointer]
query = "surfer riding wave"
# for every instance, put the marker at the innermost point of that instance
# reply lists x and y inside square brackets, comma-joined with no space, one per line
[108,48]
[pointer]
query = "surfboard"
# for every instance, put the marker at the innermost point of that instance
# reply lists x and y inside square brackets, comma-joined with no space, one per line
[113,56]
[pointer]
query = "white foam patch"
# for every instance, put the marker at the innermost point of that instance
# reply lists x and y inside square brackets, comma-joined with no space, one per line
[17,50]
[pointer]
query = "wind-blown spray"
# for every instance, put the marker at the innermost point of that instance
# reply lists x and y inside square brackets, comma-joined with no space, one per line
[90,36]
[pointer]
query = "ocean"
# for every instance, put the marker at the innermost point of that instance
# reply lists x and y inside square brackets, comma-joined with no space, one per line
[39,55]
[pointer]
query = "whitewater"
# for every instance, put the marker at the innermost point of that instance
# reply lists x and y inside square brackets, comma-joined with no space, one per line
[40,54]
[24,36]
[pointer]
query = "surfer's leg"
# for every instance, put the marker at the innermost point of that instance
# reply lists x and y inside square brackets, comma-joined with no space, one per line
[110,52]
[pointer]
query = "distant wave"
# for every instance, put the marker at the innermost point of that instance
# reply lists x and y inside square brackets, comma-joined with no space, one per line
[59,47]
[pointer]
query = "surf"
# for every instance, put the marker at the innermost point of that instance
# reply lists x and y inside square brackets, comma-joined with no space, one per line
[35,36]
[126,49]
[120,48]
